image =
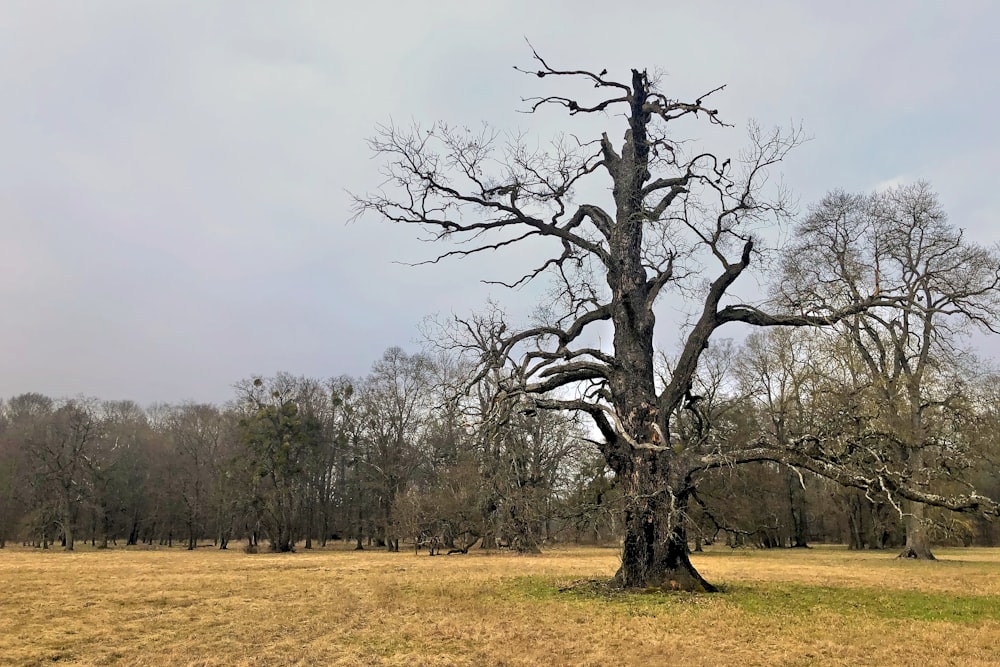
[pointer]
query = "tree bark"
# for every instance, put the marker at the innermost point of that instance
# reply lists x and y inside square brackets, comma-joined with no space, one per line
[918,544]
[655,553]
[797,511]
[67,523]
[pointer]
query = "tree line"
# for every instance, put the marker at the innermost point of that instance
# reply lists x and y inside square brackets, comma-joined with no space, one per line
[417,454]
[376,461]
[852,413]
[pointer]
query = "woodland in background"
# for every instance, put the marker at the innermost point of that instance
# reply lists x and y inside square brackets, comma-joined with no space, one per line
[394,460]
[853,413]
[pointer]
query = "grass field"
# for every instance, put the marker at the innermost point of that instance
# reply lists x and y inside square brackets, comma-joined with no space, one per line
[800,607]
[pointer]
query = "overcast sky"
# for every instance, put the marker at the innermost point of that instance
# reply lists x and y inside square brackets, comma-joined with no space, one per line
[174,175]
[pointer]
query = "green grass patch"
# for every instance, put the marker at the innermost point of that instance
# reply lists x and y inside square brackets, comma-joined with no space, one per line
[771,600]
[604,593]
[798,600]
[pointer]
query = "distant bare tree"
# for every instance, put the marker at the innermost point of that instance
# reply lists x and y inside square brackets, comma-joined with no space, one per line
[12,471]
[393,401]
[124,432]
[61,443]
[899,242]
[197,433]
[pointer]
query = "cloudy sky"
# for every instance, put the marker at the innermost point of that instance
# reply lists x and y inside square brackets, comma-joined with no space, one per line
[174,175]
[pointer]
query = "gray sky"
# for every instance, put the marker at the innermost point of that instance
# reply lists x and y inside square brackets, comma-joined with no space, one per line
[173,174]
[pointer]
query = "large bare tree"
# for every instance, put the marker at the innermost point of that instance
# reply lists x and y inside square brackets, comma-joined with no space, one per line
[676,220]
[900,242]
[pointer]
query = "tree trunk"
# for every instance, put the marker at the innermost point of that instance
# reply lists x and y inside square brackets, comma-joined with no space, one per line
[282,540]
[325,521]
[650,561]
[133,533]
[797,510]
[309,522]
[918,545]
[67,525]
[917,542]
[655,554]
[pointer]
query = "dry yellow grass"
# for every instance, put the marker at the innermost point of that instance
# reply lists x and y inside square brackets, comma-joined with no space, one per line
[172,607]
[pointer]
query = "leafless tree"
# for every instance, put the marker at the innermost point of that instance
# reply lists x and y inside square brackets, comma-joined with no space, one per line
[677,220]
[197,433]
[394,404]
[900,242]
[13,465]
[62,444]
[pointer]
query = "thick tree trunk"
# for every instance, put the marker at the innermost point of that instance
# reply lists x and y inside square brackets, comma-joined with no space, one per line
[918,544]
[917,541]
[133,533]
[797,511]
[655,554]
[855,541]
[282,541]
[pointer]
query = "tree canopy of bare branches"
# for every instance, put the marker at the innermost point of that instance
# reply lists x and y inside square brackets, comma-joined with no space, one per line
[676,220]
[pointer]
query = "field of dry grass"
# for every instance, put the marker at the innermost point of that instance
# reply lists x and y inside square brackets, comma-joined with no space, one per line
[802,607]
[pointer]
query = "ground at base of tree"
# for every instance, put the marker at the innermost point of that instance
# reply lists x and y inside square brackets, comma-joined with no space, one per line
[824,606]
